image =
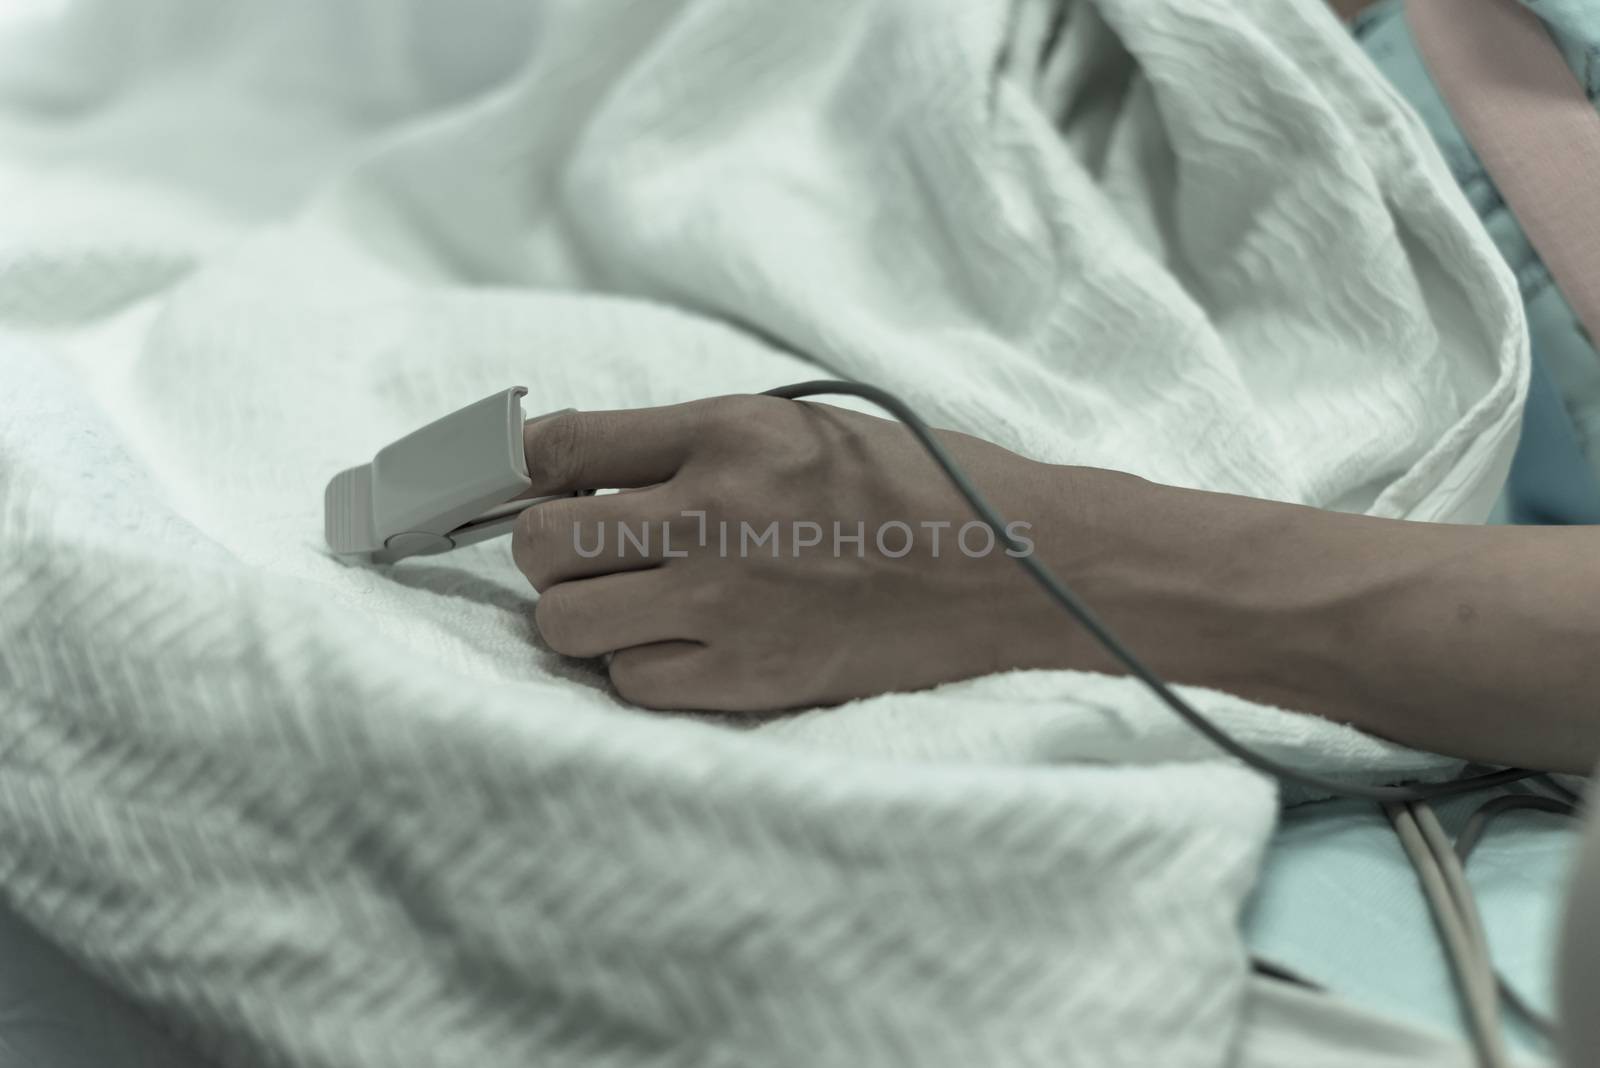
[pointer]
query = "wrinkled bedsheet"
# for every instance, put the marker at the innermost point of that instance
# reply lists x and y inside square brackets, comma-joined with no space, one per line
[305,812]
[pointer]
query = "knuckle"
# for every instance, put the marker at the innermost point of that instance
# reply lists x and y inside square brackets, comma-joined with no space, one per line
[718,492]
[537,539]
[805,456]
[708,599]
[779,437]
[683,528]
[553,522]
[524,551]
[748,409]
[555,450]
[632,680]
[735,419]
[651,678]
[557,616]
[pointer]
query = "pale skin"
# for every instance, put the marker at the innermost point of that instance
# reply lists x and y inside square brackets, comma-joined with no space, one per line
[1480,642]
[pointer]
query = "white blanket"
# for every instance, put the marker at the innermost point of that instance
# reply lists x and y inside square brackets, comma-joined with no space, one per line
[317,814]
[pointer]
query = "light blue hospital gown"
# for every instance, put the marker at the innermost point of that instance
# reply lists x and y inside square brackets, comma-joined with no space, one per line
[1556,475]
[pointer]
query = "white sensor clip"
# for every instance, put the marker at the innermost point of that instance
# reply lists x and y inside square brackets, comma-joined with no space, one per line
[456,481]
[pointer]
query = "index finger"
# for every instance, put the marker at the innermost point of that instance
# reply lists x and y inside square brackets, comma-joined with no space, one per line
[625,448]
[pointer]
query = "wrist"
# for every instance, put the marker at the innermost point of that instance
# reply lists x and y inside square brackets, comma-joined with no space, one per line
[1196,584]
[1097,531]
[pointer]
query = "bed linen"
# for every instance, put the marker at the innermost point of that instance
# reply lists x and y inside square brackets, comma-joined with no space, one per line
[303,812]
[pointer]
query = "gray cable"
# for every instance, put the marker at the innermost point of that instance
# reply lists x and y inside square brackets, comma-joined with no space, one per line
[1089,620]
[1491,810]
[1467,842]
[1437,865]
[1466,955]
[1455,878]
[1573,799]
[1444,854]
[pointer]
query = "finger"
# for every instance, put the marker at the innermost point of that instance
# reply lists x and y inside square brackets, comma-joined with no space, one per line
[601,615]
[571,451]
[576,537]
[662,675]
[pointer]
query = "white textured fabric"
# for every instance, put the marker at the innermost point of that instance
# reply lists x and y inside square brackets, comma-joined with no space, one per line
[317,814]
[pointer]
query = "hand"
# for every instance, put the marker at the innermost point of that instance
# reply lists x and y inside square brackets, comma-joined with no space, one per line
[1424,633]
[768,554]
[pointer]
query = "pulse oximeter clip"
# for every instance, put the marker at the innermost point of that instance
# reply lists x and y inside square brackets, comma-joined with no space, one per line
[456,481]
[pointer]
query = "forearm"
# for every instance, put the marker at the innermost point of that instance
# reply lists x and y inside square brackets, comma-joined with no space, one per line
[1478,641]
[1482,642]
